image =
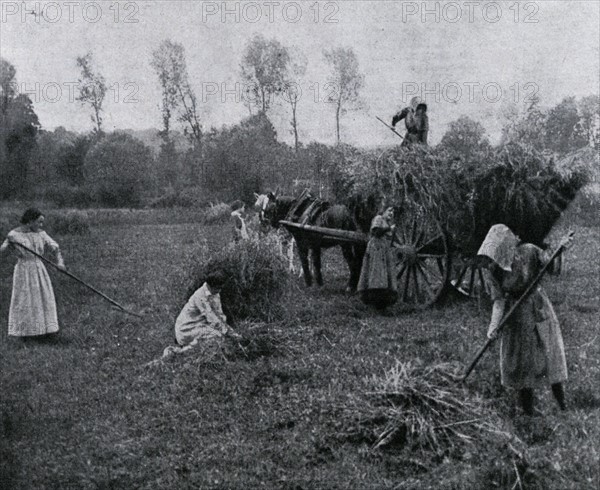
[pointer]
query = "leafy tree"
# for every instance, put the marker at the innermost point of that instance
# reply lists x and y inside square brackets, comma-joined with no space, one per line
[19,126]
[117,167]
[465,138]
[562,127]
[245,158]
[166,61]
[347,82]
[72,156]
[589,119]
[264,68]
[7,84]
[528,127]
[45,160]
[169,63]
[92,89]
[296,69]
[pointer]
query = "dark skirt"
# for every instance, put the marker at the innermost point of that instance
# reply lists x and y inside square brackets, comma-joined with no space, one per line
[377,285]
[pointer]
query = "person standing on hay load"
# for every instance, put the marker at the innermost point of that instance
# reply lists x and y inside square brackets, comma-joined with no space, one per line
[377,284]
[531,350]
[416,121]
[32,305]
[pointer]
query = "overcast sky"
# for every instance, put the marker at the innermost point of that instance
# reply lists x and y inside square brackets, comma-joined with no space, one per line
[495,53]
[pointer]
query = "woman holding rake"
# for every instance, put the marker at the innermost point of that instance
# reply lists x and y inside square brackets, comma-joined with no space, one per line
[32,305]
[531,351]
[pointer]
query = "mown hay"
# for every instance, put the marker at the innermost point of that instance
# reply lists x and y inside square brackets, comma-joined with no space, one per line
[216,213]
[258,341]
[257,278]
[426,409]
[514,185]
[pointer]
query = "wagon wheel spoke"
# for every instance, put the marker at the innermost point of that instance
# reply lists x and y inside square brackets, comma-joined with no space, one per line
[461,276]
[415,288]
[440,265]
[401,270]
[433,273]
[406,281]
[470,280]
[413,231]
[419,238]
[426,280]
[481,279]
[424,266]
[431,241]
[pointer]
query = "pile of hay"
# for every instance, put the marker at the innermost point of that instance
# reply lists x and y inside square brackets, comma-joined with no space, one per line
[520,187]
[259,340]
[513,184]
[257,278]
[216,213]
[427,409]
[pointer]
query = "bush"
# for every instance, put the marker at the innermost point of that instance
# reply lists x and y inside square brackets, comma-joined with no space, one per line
[118,167]
[257,279]
[70,223]
[187,197]
[64,196]
[170,200]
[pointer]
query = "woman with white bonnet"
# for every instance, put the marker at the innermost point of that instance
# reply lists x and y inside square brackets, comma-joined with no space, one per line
[532,353]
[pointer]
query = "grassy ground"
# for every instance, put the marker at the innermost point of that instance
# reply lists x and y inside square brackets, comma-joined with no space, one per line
[87,411]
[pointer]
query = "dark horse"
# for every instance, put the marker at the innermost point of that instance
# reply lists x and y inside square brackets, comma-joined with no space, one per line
[311,211]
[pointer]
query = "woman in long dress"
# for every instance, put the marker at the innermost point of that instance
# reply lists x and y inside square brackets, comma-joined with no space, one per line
[377,284]
[532,353]
[32,305]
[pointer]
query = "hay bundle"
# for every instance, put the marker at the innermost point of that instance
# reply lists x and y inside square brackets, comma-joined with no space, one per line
[257,278]
[216,213]
[519,187]
[258,341]
[514,185]
[426,409]
[407,178]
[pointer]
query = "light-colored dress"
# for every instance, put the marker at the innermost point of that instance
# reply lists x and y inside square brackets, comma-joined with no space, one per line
[378,284]
[32,305]
[240,230]
[531,351]
[202,318]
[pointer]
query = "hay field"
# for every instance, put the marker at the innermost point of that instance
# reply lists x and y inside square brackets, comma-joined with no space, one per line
[86,412]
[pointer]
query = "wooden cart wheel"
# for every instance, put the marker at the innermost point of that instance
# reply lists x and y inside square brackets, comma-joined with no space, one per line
[423,267]
[467,277]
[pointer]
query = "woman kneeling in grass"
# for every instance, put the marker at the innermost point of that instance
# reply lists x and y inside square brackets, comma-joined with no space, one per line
[202,318]
[531,351]
[32,305]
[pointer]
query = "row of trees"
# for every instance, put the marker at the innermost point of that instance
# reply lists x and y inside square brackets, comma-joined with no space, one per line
[117,169]
[566,127]
[270,71]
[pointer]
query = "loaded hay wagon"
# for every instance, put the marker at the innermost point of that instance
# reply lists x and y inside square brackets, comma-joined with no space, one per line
[446,207]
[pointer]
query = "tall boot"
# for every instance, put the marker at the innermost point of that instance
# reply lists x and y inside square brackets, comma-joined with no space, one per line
[527,400]
[559,393]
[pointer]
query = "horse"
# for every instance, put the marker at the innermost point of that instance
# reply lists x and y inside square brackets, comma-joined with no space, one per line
[275,208]
[285,240]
